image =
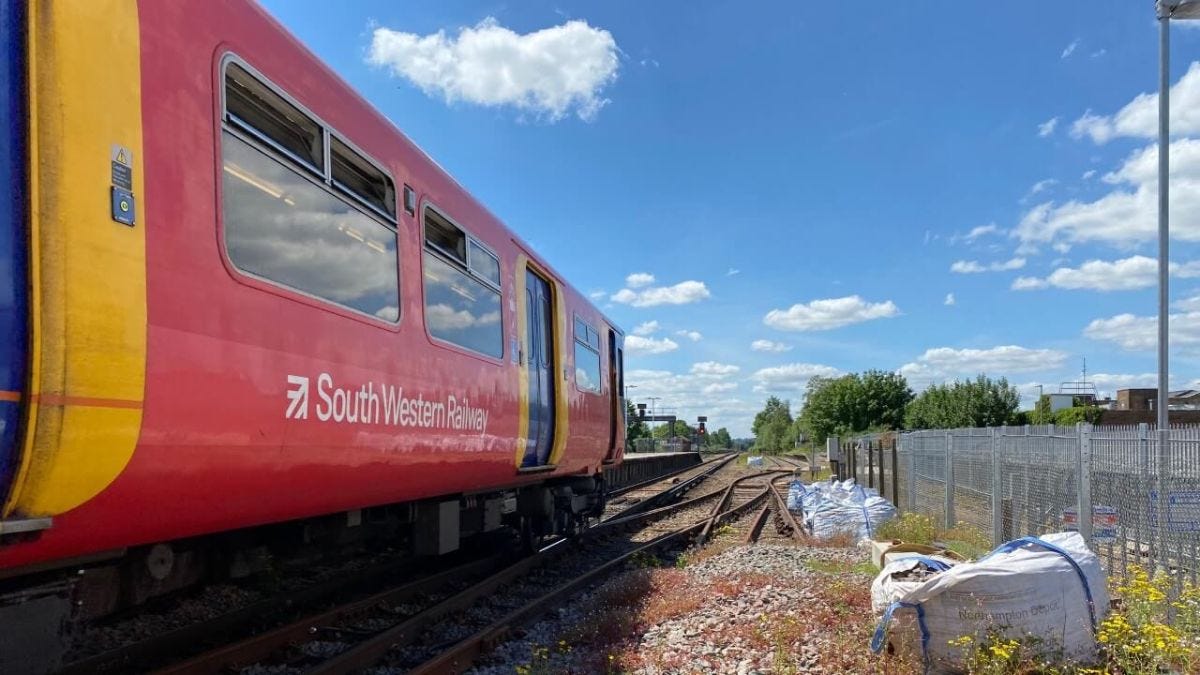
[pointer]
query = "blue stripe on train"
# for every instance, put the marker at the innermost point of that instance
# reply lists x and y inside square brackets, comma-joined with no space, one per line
[14,312]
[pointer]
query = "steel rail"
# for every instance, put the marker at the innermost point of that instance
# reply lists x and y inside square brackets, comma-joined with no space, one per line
[672,492]
[460,656]
[756,525]
[797,531]
[648,483]
[262,645]
[163,647]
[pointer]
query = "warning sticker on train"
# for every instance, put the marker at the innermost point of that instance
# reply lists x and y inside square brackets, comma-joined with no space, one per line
[376,403]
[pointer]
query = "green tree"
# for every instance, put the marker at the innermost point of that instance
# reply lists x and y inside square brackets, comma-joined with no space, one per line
[681,429]
[635,428]
[1069,417]
[719,439]
[1041,411]
[982,402]
[856,402]
[773,429]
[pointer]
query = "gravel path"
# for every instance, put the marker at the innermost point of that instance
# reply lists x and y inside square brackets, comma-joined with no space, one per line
[764,608]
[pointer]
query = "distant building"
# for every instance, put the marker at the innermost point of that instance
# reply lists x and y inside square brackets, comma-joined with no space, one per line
[1144,399]
[1136,399]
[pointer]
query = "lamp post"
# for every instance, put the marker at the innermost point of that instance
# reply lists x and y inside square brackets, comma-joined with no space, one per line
[1165,10]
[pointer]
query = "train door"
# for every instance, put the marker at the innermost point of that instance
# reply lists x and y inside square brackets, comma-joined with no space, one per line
[14,237]
[616,388]
[539,351]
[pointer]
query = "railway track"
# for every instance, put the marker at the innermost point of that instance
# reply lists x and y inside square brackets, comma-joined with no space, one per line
[400,609]
[658,491]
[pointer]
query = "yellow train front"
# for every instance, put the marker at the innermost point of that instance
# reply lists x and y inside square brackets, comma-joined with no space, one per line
[233,295]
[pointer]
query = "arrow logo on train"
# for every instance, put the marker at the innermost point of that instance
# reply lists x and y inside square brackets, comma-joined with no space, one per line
[298,397]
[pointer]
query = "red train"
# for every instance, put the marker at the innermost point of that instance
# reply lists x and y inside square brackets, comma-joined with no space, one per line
[239,296]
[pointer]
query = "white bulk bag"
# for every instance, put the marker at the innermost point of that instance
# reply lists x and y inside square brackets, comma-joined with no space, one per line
[891,585]
[1051,588]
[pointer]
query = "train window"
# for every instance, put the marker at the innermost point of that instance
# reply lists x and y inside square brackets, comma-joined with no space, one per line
[287,229]
[443,236]
[462,290]
[484,263]
[358,176]
[587,357]
[460,309]
[253,106]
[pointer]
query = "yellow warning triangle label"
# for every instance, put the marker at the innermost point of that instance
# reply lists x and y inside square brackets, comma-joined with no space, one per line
[121,157]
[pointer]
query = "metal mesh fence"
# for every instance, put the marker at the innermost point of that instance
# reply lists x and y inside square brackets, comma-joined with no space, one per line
[1143,497]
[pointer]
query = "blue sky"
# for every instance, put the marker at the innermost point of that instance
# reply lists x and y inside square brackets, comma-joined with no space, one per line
[937,188]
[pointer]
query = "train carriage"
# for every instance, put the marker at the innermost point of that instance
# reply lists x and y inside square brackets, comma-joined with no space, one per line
[233,294]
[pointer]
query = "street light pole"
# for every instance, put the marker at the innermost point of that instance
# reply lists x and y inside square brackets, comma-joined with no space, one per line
[1165,9]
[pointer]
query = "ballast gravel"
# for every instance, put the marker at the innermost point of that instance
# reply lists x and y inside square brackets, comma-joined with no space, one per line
[712,616]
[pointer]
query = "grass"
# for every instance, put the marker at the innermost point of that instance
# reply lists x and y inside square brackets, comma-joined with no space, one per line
[915,528]
[839,568]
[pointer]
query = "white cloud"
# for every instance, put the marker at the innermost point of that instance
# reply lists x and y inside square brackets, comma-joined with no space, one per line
[1028,284]
[949,299]
[1070,49]
[1087,175]
[1042,186]
[769,346]
[550,72]
[1190,304]
[646,328]
[1046,128]
[444,317]
[790,377]
[688,395]
[970,237]
[682,293]
[975,267]
[1139,117]
[636,345]
[719,387]
[944,363]
[1140,333]
[732,272]
[1110,382]
[597,294]
[1101,275]
[713,369]
[1098,53]
[693,335]
[829,314]
[1129,213]
[639,279]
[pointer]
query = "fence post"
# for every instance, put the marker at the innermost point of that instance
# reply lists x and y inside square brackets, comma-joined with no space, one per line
[1144,461]
[912,474]
[870,464]
[1162,484]
[895,474]
[949,476]
[997,496]
[1083,465]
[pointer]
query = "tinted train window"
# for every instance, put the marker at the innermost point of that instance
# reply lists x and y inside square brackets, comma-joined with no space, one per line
[255,107]
[285,228]
[461,309]
[587,357]
[353,173]
[462,288]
